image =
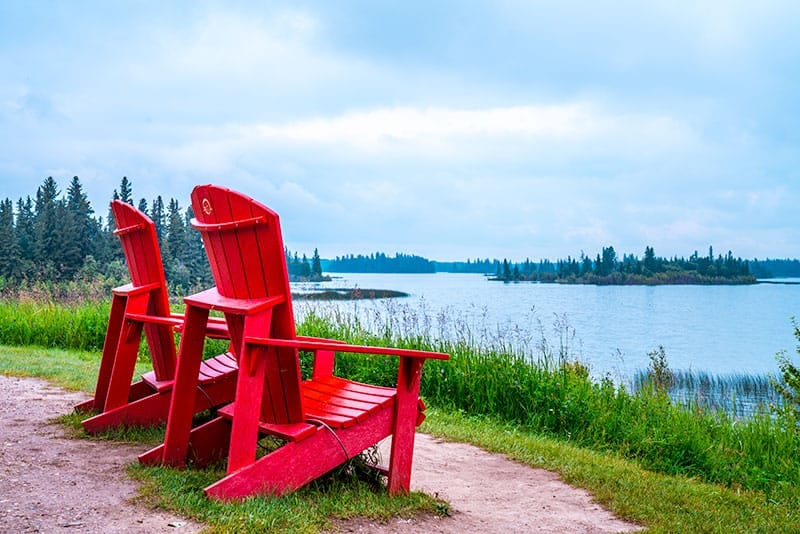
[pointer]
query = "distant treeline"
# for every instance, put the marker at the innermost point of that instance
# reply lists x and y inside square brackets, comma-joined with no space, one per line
[775,268]
[380,263]
[608,268]
[57,238]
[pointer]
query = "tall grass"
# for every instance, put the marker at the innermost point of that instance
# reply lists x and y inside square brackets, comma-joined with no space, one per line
[738,394]
[549,391]
[544,389]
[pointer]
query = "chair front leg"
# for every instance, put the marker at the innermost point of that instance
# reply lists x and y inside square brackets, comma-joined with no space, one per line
[125,356]
[181,408]
[405,418]
[109,351]
[249,394]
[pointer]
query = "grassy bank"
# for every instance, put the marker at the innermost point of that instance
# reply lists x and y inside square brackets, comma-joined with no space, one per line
[733,472]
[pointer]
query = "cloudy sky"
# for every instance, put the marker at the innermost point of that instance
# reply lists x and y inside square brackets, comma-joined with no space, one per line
[446,129]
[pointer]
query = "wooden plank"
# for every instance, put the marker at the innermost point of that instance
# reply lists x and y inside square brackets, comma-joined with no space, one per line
[408,382]
[109,351]
[176,439]
[296,464]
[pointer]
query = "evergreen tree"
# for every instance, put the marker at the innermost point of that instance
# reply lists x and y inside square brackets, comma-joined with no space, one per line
[174,249]
[9,246]
[25,235]
[506,270]
[79,228]
[143,206]
[158,217]
[194,253]
[650,260]
[125,193]
[316,265]
[111,225]
[45,246]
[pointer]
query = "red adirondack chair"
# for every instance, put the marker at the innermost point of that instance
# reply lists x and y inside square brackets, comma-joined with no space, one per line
[326,419]
[144,304]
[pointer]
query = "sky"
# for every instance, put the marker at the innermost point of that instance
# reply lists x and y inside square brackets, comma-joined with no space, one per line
[448,129]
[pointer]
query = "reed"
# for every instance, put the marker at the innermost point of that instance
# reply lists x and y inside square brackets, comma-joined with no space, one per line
[738,394]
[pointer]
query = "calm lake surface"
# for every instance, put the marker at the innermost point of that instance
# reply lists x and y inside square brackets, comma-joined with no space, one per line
[718,329]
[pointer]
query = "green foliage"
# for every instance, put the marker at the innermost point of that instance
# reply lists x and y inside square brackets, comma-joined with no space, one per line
[788,386]
[381,263]
[663,503]
[607,269]
[545,390]
[552,394]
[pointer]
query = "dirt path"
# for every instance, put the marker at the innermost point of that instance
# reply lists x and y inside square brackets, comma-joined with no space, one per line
[49,483]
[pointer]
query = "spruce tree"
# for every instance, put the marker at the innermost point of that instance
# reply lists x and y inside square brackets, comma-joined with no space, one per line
[158,217]
[174,248]
[125,193]
[80,227]
[25,235]
[316,264]
[45,245]
[9,246]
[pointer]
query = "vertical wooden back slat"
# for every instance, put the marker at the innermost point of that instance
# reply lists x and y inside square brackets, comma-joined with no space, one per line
[139,241]
[248,261]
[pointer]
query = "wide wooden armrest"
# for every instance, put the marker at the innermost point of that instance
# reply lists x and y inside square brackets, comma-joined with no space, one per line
[212,300]
[302,344]
[130,289]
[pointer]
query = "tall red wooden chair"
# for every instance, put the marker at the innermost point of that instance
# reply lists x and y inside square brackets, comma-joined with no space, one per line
[326,419]
[143,305]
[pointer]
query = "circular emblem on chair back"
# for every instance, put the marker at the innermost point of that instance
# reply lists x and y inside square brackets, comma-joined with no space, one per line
[207,209]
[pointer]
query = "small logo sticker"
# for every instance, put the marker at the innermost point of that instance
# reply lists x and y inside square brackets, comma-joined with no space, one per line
[207,209]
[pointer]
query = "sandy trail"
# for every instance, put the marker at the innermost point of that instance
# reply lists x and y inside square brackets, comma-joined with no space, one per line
[50,483]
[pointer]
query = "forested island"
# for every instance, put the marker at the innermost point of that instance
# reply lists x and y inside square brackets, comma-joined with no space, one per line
[608,269]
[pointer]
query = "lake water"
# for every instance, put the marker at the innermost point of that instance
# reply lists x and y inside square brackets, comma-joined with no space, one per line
[716,329]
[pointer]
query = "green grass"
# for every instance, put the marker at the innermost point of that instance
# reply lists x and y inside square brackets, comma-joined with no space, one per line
[711,471]
[340,495]
[666,503]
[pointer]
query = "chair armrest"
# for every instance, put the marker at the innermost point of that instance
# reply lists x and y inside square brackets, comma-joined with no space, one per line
[211,299]
[304,344]
[129,290]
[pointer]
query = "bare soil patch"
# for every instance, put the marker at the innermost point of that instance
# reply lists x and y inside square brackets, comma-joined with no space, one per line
[52,483]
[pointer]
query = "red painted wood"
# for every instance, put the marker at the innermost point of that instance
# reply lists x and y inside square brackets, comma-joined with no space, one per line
[345,347]
[109,351]
[408,381]
[296,464]
[125,357]
[289,432]
[139,241]
[249,398]
[327,419]
[143,305]
[179,423]
[323,363]
[146,408]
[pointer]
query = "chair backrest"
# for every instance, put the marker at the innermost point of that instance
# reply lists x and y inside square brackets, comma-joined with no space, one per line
[244,245]
[137,233]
